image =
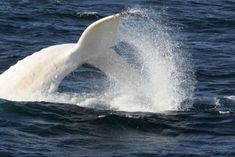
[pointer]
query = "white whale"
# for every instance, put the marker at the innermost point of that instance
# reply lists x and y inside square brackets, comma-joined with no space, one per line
[43,71]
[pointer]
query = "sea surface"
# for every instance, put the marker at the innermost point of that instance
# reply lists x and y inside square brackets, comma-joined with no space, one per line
[199,119]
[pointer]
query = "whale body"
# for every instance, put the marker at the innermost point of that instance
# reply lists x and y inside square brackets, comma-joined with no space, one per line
[43,71]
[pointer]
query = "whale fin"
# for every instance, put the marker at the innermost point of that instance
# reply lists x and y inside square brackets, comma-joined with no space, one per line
[97,38]
[114,66]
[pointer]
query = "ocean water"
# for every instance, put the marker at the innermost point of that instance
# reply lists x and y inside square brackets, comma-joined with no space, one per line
[184,51]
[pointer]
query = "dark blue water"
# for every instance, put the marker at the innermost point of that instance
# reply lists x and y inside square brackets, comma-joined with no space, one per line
[206,30]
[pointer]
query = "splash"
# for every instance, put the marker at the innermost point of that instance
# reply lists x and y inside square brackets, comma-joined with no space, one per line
[167,78]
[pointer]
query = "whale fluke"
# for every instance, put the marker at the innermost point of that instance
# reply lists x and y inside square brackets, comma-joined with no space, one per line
[43,71]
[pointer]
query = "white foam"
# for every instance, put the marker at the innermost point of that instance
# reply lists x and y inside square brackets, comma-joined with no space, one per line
[230,97]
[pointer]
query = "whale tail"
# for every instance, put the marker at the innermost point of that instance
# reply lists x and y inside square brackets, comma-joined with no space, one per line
[99,36]
[98,41]
[44,70]
[95,47]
